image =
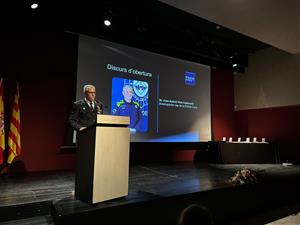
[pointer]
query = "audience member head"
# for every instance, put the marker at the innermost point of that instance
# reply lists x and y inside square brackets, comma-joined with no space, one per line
[195,214]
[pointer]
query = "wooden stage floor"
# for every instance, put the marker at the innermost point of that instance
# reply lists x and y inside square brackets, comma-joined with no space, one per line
[171,182]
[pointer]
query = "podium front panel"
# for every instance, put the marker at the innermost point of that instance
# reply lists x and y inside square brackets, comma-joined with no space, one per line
[111,164]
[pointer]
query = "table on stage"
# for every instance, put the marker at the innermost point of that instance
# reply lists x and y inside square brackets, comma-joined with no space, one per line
[244,152]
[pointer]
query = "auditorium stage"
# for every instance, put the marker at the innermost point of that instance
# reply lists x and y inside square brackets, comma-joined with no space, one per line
[157,194]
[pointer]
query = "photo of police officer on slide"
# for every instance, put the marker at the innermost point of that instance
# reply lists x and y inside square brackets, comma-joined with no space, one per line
[129,104]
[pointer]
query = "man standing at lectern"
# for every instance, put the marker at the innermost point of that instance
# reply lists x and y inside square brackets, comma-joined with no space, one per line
[84,111]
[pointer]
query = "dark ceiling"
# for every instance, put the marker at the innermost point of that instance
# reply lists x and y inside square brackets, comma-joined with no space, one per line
[150,25]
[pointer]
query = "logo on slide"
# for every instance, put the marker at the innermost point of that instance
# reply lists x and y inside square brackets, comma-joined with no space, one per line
[190,78]
[140,88]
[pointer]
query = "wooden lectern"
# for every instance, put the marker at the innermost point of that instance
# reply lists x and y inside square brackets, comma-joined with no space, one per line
[102,168]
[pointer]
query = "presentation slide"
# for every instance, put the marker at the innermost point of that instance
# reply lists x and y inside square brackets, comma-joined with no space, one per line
[167,99]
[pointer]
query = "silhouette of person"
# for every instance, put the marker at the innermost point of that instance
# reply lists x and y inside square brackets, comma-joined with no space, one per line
[195,214]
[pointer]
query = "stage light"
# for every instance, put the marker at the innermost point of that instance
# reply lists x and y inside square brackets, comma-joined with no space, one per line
[34,5]
[107,23]
[234,65]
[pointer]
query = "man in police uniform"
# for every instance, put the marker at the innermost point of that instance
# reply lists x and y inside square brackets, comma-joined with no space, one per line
[84,111]
[128,107]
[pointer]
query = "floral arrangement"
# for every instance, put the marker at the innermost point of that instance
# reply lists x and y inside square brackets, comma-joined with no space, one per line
[245,176]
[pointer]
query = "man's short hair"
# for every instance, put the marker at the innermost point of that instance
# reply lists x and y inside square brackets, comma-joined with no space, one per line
[88,86]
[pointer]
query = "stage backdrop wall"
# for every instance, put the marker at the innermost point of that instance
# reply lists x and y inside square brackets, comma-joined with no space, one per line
[280,124]
[267,98]
[223,117]
[45,65]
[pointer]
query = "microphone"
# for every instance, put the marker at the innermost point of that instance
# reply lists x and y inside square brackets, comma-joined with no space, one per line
[99,107]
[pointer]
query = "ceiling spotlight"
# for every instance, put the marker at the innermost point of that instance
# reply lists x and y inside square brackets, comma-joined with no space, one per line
[107,23]
[231,57]
[234,65]
[34,5]
[218,27]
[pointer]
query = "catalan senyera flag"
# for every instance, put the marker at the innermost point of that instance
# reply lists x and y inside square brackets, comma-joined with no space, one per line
[2,133]
[14,138]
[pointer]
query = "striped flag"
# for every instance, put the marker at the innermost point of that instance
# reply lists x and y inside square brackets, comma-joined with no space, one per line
[14,139]
[2,133]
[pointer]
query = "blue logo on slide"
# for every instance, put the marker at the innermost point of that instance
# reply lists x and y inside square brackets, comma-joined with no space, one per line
[140,88]
[190,78]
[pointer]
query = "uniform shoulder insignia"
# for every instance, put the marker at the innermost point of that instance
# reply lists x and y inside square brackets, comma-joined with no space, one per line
[120,103]
[79,102]
[136,103]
